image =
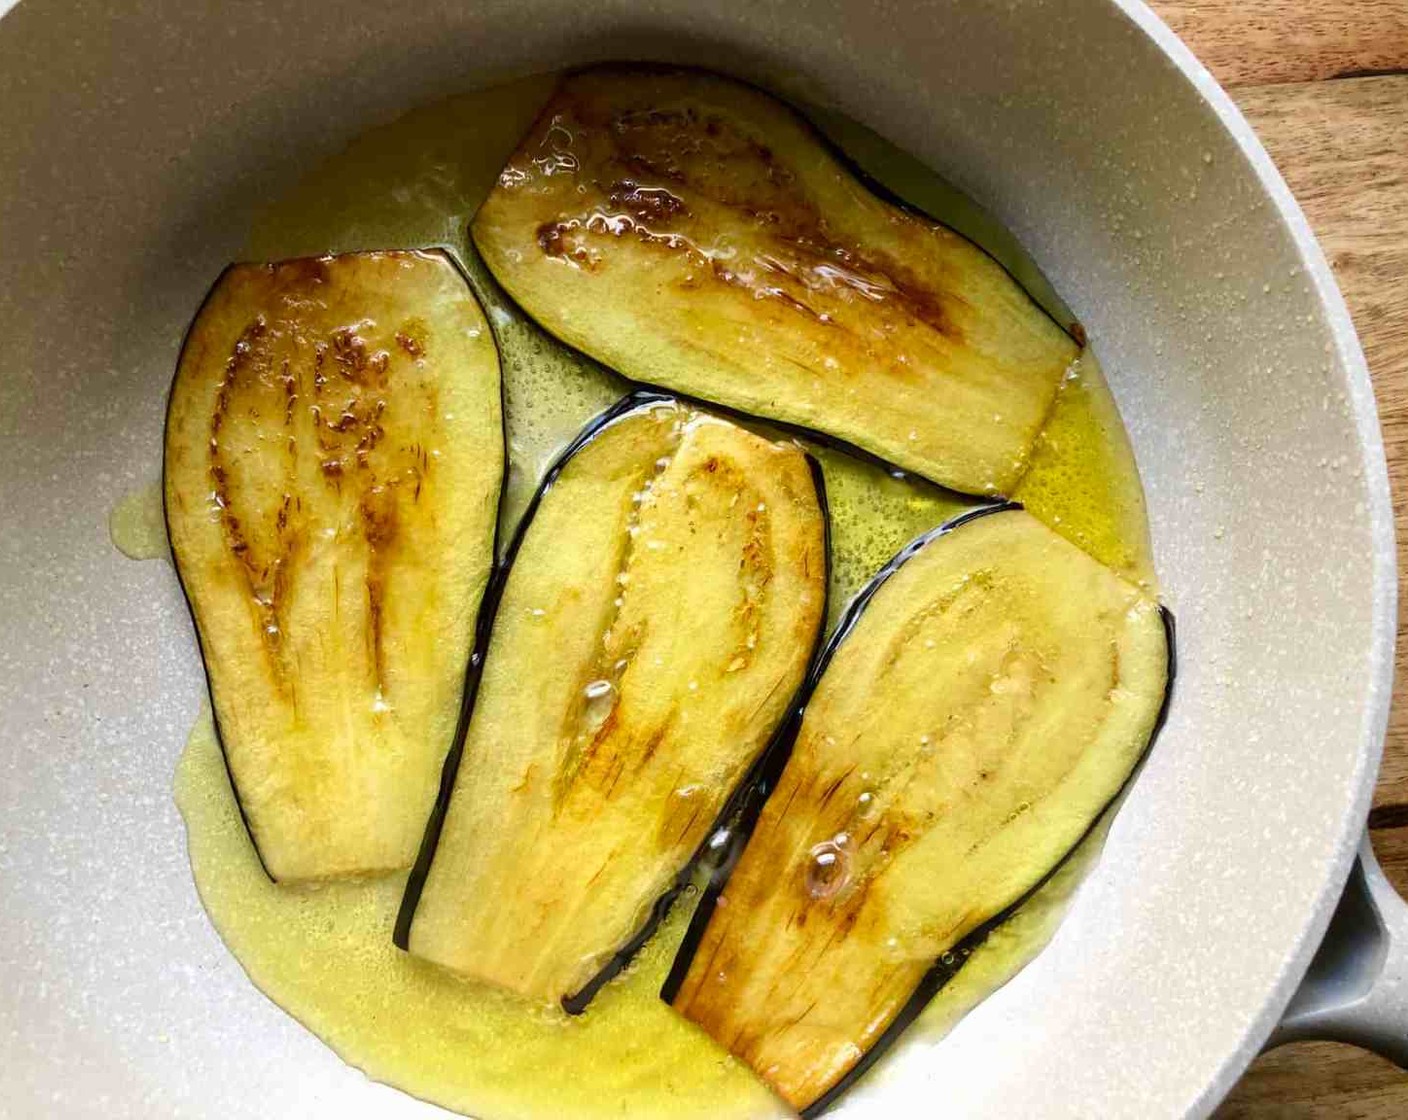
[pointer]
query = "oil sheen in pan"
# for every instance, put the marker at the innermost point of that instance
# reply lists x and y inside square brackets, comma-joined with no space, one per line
[325,954]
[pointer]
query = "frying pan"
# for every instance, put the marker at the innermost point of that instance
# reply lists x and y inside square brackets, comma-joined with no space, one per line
[137,140]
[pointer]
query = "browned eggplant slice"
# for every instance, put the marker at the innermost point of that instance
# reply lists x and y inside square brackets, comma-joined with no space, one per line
[695,233]
[658,616]
[333,460]
[982,705]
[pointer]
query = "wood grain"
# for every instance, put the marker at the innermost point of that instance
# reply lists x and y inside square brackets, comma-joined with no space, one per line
[1318,1081]
[1343,148]
[1391,848]
[1246,42]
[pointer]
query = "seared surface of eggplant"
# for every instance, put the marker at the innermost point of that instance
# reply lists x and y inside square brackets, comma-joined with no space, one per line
[975,714]
[333,462]
[692,232]
[323,955]
[657,619]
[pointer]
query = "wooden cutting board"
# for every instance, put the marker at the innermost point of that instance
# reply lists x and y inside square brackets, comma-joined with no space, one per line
[1325,84]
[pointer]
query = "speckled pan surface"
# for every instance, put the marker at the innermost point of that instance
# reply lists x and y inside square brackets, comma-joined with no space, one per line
[137,138]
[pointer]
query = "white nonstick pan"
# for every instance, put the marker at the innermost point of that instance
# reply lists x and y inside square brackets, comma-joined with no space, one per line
[136,138]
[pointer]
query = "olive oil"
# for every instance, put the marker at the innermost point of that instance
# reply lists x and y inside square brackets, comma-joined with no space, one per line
[325,953]
[1082,480]
[136,524]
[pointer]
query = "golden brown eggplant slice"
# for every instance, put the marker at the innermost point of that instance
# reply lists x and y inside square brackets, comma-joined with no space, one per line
[695,233]
[658,617]
[334,453]
[983,705]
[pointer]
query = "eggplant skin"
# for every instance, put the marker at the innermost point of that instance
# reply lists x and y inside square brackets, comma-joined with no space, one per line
[657,619]
[980,708]
[333,462]
[695,233]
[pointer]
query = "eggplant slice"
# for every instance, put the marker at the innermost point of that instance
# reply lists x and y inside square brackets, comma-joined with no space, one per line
[333,461]
[657,619]
[986,699]
[693,232]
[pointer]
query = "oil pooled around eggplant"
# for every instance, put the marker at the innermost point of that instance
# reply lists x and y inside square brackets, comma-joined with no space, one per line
[984,702]
[137,524]
[325,954]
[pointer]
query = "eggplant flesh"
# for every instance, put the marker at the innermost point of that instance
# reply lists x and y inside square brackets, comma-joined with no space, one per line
[333,462]
[983,704]
[692,232]
[657,619]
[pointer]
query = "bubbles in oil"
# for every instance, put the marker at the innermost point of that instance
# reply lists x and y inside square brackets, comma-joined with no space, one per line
[721,848]
[828,868]
[418,181]
[600,699]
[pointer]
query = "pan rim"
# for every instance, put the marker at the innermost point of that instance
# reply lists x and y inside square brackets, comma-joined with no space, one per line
[1341,827]
[1384,592]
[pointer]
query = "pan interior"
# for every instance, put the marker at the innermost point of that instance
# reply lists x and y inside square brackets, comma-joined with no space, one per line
[139,144]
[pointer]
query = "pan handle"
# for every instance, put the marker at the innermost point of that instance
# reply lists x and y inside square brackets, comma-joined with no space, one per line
[1356,989]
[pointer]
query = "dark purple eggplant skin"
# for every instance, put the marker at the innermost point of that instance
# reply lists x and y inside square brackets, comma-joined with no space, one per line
[471,670]
[753,796]
[645,393]
[1073,328]
[577,1002]
[181,583]
[484,626]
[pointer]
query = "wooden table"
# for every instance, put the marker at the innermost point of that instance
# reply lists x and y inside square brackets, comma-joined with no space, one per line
[1325,84]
